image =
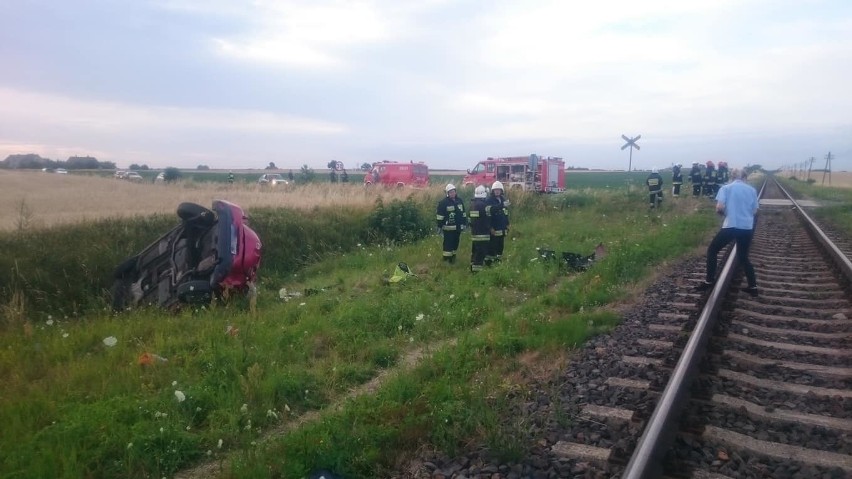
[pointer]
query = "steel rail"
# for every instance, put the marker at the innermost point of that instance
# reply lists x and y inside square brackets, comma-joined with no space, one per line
[646,461]
[833,251]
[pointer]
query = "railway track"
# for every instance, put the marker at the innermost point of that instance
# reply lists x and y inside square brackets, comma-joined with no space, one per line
[708,385]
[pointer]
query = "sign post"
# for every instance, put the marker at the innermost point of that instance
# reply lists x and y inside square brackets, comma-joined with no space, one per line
[631,143]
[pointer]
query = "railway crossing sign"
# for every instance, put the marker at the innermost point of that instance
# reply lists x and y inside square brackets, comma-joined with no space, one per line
[631,143]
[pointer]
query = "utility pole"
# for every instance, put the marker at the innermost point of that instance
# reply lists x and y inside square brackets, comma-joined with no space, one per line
[827,169]
[810,166]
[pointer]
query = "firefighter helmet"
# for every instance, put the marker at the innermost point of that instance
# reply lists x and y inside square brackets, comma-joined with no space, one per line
[709,163]
[480,192]
[654,170]
[450,187]
[497,186]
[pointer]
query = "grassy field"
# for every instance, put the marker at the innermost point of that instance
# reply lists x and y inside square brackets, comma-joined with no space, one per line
[265,388]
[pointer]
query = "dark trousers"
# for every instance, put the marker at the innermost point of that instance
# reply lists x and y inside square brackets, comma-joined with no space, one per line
[696,189]
[676,189]
[722,238]
[653,195]
[478,252]
[495,248]
[451,244]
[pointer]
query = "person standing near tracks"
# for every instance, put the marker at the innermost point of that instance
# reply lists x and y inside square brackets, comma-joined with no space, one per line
[737,202]
[655,187]
[696,177]
[709,184]
[677,180]
[480,229]
[452,220]
[496,208]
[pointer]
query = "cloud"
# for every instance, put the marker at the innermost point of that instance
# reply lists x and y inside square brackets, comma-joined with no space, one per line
[306,34]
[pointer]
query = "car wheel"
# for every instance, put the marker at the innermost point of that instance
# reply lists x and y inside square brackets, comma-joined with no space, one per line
[120,296]
[198,291]
[196,214]
[126,268]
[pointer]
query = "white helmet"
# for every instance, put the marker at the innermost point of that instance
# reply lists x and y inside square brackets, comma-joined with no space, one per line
[480,192]
[497,185]
[450,187]
[654,170]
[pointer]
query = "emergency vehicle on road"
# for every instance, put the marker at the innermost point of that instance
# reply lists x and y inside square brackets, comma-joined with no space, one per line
[398,174]
[528,173]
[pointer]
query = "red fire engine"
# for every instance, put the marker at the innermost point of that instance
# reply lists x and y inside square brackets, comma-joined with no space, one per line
[528,173]
[393,173]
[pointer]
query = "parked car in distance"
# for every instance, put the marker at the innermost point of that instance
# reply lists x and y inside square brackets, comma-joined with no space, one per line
[208,253]
[133,176]
[61,171]
[272,179]
[160,177]
[120,174]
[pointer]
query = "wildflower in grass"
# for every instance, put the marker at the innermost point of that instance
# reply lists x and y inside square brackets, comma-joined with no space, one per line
[271,413]
[129,445]
[180,396]
[411,339]
[159,414]
[302,304]
[49,322]
[174,383]
[209,452]
[419,317]
[219,445]
[287,408]
[399,327]
[244,408]
[110,341]
[452,296]
[64,335]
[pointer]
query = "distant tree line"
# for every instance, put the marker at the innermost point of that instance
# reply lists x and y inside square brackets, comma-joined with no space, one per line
[32,161]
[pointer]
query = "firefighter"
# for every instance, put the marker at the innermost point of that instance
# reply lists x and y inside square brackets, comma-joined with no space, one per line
[696,177]
[480,229]
[451,220]
[677,180]
[230,178]
[722,175]
[498,213]
[655,187]
[709,186]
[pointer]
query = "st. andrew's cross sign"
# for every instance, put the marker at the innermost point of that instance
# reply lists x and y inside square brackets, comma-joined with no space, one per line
[631,142]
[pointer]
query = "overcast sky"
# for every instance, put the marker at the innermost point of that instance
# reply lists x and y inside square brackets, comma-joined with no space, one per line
[239,84]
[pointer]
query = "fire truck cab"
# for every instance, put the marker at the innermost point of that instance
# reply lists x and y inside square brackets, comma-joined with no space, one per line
[528,173]
[398,174]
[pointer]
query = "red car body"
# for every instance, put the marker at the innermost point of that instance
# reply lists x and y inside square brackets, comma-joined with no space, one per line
[209,252]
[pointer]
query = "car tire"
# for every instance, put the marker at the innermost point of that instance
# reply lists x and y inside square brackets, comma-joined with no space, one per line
[196,214]
[120,296]
[126,268]
[198,291]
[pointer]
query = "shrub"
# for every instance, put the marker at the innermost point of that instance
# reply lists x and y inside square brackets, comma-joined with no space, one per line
[399,222]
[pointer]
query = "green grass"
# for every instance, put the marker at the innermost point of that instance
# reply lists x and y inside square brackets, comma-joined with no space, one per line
[73,407]
[837,202]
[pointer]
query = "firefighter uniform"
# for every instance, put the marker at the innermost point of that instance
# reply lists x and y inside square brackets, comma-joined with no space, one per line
[498,213]
[696,177]
[677,180]
[722,175]
[451,220]
[655,187]
[480,229]
[710,180]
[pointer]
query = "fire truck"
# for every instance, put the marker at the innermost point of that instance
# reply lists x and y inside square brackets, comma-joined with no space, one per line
[397,174]
[528,173]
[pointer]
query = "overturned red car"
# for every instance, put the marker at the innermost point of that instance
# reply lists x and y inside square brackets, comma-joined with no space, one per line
[208,253]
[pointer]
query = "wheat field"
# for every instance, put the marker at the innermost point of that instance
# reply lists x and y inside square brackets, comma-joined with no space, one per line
[33,199]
